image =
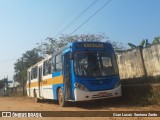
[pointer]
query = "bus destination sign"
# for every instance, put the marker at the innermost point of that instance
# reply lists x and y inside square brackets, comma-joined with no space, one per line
[93,45]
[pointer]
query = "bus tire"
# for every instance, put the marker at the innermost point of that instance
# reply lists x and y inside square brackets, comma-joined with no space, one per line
[61,99]
[37,100]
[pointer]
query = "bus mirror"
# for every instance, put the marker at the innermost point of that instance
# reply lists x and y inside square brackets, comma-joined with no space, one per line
[71,56]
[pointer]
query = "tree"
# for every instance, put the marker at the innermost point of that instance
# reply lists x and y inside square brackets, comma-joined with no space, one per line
[2,83]
[52,45]
[28,59]
[146,43]
[49,46]
[117,45]
[83,37]
[156,40]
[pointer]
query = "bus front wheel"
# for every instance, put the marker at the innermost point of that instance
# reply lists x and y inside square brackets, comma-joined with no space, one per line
[61,98]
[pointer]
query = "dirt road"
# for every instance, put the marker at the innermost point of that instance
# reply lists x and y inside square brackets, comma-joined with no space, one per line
[28,104]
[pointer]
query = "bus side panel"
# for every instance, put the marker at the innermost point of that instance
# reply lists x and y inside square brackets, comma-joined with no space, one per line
[49,86]
[46,87]
[34,92]
[47,92]
[48,83]
[33,88]
[57,83]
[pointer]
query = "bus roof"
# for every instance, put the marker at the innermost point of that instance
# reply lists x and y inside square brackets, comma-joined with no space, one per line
[38,63]
[70,45]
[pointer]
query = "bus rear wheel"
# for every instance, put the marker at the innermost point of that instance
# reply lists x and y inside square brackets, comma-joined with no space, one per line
[36,99]
[61,98]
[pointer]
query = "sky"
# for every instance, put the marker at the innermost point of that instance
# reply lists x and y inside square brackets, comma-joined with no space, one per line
[23,23]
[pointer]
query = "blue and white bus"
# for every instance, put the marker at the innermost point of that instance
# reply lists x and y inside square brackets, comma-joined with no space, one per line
[80,71]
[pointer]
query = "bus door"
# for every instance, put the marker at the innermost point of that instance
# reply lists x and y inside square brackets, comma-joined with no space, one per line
[40,81]
[67,76]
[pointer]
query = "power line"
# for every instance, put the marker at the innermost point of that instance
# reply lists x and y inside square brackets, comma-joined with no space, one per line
[77,17]
[90,17]
[66,15]
[7,60]
[7,72]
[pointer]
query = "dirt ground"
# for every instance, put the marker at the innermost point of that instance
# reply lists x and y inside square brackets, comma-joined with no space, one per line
[28,104]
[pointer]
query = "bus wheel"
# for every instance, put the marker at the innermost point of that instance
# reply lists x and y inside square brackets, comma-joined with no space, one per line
[35,97]
[61,98]
[37,100]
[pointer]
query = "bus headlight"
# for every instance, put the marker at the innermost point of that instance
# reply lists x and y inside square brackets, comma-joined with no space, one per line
[117,84]
[80,86]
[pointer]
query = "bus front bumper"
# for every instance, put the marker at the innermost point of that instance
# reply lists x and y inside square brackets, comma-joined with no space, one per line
[81,95]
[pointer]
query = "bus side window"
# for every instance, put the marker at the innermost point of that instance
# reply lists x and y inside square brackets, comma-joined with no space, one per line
[44,68]
[50,66]
[32,74]
[35,72]
[59,62]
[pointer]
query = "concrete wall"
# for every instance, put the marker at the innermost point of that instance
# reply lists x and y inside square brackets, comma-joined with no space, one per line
[140,65]
[130,64]
[151,56]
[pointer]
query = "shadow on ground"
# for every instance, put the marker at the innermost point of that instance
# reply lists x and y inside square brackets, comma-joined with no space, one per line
[101,104]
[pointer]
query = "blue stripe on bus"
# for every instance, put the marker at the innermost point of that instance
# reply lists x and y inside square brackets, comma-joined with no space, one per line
[55,74]
[67,50]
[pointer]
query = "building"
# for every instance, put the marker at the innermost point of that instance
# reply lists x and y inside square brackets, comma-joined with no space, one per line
[8,88]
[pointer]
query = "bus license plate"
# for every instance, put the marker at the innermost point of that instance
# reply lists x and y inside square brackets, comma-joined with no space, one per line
[102,94]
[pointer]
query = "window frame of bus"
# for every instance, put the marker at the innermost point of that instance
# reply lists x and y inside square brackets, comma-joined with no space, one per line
[47,66]
[58,58]
[34,73]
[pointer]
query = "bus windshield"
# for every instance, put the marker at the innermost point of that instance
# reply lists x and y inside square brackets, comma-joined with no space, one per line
[95,64]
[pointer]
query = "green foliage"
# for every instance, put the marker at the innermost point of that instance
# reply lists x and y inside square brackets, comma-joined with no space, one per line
[156,40]
[28,59]
[131,45]
[146,43]
[1,83]
[142,43]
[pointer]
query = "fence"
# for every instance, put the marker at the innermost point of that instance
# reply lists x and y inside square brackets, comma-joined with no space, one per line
[139,65]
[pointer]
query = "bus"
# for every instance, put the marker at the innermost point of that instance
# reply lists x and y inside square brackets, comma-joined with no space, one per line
[80,71]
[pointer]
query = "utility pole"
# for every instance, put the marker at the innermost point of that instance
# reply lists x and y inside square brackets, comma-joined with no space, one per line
[4,85]
[7,85]
[5,80]
[23,79]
